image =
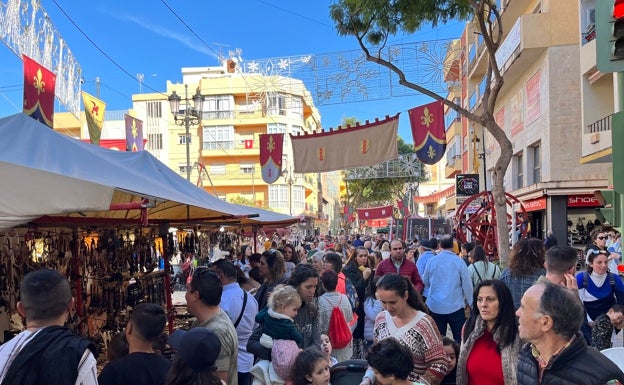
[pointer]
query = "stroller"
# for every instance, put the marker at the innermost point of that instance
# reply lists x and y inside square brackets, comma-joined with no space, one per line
[349,372]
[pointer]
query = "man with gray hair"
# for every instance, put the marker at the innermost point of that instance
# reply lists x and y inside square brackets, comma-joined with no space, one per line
[549,320]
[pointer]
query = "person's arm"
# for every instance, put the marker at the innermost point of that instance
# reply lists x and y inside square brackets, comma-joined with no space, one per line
[417,280]
[254,347]
[601,331]
[466,282]
[87,370]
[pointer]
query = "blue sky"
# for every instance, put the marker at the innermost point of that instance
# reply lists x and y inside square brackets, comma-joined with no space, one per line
[145,37]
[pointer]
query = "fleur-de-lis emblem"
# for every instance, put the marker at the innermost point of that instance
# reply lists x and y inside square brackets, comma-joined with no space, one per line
[39,83]
[431,153]
[135,132]
[427,118]
[271,144]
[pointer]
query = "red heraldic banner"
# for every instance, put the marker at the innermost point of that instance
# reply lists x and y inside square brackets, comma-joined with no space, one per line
[39,83]
[134,134]
[271,148]
[374,213]
[358,146]
[427,124]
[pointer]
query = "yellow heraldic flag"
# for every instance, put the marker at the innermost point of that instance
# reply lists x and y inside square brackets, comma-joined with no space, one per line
[94,111]
[359,146]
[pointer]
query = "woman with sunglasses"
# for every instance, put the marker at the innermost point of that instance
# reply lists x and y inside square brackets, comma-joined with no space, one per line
[599,289]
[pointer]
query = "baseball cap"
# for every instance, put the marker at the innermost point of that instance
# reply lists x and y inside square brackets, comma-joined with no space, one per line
[198,348]
[426,244]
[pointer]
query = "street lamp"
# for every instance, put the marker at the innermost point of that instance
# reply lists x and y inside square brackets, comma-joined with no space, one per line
[192,116]
[290,180]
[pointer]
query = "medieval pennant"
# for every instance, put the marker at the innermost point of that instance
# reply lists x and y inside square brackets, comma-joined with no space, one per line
[271,148]
[39,84]
[359,146]
[375,212]
[134,133]
[94,112]
[427,124]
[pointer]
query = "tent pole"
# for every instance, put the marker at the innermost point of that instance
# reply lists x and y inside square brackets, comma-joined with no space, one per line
[163,230]
[77,281]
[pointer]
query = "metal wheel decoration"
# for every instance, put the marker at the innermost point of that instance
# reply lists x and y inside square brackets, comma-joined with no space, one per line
[481,223]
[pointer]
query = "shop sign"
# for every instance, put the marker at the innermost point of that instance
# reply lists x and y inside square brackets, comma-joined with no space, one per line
[466,185]
[583,200]
[535,204]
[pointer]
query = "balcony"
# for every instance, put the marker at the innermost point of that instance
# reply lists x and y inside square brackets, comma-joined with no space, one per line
[453,166]
[597,141]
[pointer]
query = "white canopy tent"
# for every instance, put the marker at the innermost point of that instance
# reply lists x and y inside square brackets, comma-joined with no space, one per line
[49,174]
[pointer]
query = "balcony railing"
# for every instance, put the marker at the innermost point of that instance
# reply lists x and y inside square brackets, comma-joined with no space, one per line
[589,34]
[601,125]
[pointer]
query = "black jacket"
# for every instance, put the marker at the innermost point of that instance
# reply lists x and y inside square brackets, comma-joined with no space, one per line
[576,364]
[51,358]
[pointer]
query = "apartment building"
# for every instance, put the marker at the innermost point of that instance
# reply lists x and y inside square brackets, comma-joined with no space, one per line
[543,107]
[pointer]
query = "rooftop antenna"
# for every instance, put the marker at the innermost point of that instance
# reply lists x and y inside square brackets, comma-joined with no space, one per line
[140,78]
[220,45]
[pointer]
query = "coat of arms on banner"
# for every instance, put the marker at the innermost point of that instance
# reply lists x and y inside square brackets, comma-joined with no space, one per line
[427,124]
[271,148]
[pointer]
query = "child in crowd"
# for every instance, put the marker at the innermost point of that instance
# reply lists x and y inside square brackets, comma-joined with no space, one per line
[452,351]
[326,347]
[604,326]
[277,317]
[311,367]
[278,370]
[372,307]
[197,351]
[391,362]
[117,347]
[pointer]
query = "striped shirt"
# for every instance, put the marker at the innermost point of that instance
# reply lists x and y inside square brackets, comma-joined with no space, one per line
[87,371]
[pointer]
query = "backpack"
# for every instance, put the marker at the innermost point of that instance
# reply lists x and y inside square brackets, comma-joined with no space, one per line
[338,331]
[610,275]
[351,294]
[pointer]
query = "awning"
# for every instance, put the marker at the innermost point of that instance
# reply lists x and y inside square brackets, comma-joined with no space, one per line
[435,197]
[49,174]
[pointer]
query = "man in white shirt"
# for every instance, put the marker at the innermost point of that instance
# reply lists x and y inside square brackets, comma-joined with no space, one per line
[47,352]
[242,308]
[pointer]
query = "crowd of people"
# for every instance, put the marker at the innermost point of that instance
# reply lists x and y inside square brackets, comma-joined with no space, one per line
[288,314]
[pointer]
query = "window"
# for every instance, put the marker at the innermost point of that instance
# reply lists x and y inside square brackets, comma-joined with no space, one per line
[276,104]
[154,141]
[276,128]
[218,137]
[536,162]
[246,168]
[296,107]
[519,170]
[217,169]
[278,196]
[154,110]
[217,107]
[182,138]
[298,202]
[297,130]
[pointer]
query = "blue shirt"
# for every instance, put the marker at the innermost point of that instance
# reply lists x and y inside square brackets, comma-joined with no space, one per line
[421,264]
[232,304]
[449,281]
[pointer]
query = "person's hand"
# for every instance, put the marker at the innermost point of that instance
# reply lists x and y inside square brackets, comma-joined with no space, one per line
[367,272]
[570,281]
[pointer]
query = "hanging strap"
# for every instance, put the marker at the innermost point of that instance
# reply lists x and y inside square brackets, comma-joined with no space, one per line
[240,316]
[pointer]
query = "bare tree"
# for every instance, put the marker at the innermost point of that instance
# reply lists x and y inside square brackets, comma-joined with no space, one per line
[372,22]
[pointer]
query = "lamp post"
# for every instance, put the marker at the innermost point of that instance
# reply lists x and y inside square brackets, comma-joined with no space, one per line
[290,180]
[192,116]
